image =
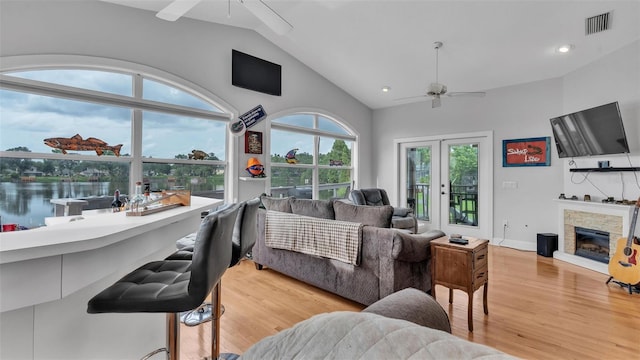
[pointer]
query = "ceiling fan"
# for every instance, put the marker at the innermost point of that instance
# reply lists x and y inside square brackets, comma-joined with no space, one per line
[258,8]
[437,89]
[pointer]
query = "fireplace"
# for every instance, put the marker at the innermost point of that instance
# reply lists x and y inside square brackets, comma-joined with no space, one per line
[592,244]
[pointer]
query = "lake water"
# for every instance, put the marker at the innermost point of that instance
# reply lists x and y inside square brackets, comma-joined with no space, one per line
[27,204]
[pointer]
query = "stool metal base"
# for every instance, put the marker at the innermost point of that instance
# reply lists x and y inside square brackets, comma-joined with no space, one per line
[154,352]
[200,315]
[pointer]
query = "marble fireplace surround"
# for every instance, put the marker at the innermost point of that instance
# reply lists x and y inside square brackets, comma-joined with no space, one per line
[612,218]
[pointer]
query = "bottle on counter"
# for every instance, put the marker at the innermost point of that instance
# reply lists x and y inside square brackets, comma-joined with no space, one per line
[138,198]
[116,204]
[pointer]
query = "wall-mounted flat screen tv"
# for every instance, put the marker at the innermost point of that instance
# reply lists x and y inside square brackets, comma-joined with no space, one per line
[250,72]
[590,132]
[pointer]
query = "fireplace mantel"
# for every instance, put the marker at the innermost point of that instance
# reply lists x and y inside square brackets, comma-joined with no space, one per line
[615,210]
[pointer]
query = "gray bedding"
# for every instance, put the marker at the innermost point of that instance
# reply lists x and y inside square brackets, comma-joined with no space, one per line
[354,335]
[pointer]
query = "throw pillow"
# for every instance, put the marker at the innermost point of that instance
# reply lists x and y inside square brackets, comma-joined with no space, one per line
[322,209]
[276,204]
[378,216]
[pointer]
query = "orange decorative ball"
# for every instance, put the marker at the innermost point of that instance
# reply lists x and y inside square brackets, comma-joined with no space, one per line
[254,167]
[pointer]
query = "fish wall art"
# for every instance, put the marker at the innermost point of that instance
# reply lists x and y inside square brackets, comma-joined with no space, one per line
[77,143]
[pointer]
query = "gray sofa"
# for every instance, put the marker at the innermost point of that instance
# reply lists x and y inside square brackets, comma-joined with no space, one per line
[408,324]
[390,260]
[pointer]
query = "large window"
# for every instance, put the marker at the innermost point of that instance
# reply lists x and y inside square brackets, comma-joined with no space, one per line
[78,133]
[311,157]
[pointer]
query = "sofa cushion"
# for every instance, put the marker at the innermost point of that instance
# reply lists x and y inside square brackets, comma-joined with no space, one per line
[322,209]
[276,204]
[378,216]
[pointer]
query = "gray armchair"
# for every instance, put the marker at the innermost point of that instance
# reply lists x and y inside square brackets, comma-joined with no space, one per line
[403,218]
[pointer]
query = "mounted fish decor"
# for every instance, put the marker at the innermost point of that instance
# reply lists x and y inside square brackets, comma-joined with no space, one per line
[198,155]
[77,143]
[291,156]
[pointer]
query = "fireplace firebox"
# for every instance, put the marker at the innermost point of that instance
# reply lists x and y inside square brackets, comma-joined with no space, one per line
[592,244]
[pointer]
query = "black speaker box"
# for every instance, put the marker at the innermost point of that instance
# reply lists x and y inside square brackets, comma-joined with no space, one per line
[547,244]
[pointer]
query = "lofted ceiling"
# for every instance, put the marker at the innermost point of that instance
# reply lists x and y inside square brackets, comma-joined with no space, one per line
[362,46]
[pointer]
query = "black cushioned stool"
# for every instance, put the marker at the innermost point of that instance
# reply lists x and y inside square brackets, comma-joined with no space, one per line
[174,286]
[244,237]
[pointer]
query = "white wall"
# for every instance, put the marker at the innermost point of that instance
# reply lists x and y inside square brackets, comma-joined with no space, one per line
[196,51]
[524,111]
[512,112]
[613,78]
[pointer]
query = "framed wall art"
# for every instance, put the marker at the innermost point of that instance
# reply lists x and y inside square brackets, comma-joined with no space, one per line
[252,142]
[526,152]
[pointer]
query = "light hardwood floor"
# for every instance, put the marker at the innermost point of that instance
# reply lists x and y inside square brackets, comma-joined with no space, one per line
[539,308]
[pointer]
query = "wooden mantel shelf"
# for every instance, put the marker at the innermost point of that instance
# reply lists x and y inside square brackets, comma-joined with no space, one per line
[609,169]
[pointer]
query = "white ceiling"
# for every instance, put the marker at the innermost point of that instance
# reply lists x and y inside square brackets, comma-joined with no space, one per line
[362,46]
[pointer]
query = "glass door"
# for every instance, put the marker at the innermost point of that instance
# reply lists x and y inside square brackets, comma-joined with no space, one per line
[448,184]
[465,187]
[419,188]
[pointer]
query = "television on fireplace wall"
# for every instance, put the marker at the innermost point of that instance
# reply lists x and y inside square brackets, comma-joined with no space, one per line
[591,132]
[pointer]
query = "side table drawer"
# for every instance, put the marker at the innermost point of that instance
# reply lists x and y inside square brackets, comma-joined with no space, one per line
[480,258]
[480,276]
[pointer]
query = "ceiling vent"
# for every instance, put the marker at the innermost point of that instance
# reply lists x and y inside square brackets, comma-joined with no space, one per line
[598,23]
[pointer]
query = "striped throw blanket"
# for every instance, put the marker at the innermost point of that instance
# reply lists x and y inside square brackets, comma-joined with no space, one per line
[333,239]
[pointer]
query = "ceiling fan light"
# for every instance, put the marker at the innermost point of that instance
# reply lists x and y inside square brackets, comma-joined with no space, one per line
[437,89]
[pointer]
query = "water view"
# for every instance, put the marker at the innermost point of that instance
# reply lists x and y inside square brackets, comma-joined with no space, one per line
[28,203]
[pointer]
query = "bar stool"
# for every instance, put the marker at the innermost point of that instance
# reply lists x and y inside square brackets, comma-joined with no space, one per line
[245,233]
[174,286]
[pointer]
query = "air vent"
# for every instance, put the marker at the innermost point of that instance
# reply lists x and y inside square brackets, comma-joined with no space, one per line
[596,24]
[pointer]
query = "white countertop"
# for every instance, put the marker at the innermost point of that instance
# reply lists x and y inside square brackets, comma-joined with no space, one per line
[92,232]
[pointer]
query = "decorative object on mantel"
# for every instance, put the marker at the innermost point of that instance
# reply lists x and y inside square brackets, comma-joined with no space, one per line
[255,168]
[526,152]
[587,197]
[77,143]
[198,155]
[562,196]
[169,199]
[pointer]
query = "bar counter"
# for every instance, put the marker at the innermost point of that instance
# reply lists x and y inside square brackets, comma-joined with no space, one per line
[48,274]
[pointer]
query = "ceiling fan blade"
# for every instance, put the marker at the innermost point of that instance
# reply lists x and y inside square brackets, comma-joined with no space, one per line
[411,98]
[436,102]
[176,9]
[467,93]
[268,16]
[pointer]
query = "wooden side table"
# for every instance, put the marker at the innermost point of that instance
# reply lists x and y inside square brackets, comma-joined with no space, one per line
[463,267]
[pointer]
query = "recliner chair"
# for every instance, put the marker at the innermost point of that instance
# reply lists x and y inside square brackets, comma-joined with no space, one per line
[403,218]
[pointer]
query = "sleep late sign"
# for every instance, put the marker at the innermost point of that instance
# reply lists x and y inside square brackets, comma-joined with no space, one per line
[526,152]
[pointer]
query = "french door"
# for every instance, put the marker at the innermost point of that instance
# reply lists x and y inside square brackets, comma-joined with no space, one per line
[448,182]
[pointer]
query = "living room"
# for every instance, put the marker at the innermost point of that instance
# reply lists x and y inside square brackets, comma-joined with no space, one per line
[199,52]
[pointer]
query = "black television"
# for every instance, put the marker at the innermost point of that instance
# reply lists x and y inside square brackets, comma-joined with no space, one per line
[590,132]
[250,72]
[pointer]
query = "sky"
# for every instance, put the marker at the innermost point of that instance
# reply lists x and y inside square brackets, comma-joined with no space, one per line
[27,119]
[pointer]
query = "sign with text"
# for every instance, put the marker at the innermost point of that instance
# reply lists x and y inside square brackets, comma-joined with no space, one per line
[252,116]
[526,152]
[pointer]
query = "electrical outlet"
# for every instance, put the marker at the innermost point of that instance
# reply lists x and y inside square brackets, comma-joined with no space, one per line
[505,223]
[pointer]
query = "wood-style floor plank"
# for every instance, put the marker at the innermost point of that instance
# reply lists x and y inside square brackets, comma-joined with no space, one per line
[539,308]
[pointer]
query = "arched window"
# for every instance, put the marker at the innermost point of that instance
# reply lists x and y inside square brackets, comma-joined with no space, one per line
[312,156]
[107,130]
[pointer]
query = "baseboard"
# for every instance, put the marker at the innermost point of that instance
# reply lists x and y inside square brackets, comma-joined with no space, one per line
[515,244]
